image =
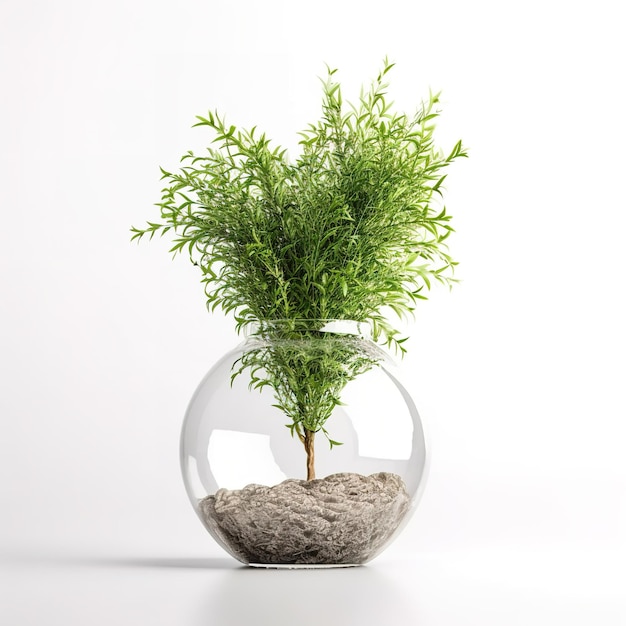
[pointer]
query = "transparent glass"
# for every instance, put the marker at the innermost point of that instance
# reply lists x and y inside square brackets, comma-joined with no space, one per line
[271,492]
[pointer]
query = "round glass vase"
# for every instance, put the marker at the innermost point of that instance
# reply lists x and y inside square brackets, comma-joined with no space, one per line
[301,447]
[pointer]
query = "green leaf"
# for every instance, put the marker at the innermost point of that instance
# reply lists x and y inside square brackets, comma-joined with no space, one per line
[344,287]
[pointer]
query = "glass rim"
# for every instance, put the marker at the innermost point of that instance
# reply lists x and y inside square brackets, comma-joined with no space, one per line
[325,325]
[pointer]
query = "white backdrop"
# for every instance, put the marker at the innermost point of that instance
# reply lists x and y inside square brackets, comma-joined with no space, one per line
[518,372]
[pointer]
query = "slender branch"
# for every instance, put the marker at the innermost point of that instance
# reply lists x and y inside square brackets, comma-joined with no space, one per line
[309,447]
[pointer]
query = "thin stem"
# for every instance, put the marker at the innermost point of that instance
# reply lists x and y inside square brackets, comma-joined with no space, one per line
[309,447]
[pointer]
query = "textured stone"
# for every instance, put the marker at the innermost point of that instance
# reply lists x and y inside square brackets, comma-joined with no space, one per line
[341,519]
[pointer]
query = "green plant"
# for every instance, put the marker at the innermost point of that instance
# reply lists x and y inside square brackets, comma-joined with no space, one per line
[349,230]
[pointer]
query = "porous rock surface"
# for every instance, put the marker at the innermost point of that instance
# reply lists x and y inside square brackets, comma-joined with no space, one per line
[341,519]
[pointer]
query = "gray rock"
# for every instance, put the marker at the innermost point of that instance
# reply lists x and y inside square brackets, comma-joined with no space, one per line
[341,519]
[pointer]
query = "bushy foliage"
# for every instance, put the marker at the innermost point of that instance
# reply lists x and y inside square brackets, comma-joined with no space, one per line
[347,231]
[352,229]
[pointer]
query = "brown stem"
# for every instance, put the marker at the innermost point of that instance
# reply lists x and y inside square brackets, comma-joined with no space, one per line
[309,447]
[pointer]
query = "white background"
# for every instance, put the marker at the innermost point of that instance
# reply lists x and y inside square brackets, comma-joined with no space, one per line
[518,372]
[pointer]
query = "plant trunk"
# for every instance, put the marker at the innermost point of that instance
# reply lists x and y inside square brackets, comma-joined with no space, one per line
[309,447]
